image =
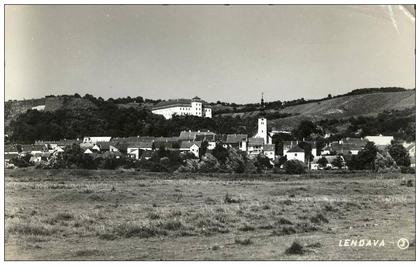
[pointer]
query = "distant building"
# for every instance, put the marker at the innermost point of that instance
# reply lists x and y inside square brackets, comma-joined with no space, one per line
[380,140]
[262,131]
[39,108]
[192,147]
[296,153]
[346,146]
[194,106]
[94,140]
[134,150]
[261,143]
[199,135]
[411,148]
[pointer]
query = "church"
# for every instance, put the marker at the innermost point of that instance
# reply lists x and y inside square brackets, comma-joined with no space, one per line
[261,142]
[194,106]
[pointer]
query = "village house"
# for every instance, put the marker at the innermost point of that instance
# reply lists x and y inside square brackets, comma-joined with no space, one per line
[94,140]
[380,141]
[10,152]
[268,151]
[346,146]
[287,145]
[411,148]
[134,150]
[197,135]
[194,106]
[170,143]
[192,147]
[235,140]
[296,153]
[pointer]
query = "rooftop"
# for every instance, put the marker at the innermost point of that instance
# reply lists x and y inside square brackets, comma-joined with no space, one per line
[181,102]
[296,149]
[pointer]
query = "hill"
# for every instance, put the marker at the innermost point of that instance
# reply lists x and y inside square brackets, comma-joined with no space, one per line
[341,107]
[75,116]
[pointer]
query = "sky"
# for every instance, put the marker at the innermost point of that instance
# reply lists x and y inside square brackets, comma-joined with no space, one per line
[227,53]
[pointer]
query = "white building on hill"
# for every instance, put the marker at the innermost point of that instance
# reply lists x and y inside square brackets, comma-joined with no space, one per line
[194,106]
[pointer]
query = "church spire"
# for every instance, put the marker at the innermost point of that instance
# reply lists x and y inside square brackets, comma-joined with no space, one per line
[262,100]
[262,107]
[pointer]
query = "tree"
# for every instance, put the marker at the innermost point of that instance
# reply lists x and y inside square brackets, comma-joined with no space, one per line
[278,140]
[365,159]
[280,161]
[399,154]
[384,162]
[307,147]
[294,166]
[338,162]
[305,129]
[203,149]
[220,153]
[322,162]
[262,163]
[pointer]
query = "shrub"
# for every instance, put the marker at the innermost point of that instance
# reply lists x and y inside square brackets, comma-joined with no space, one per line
[399,154]
[294,167]
[21,161]
[229,199]
[338,162]
[262,163]
[322,162]
[319,218]
[295,249]
[383,162]
[409,170]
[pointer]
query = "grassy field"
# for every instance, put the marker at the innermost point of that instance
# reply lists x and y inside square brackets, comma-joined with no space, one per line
[115,215]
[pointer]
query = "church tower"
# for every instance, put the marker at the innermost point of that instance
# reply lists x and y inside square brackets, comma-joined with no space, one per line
[262,129]
[262,121]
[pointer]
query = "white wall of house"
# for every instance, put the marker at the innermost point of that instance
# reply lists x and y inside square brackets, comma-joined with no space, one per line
[133,152]
[313,152]
[380,140]
[177,110]
[196,109]
[254,150]
[207,112]
[296,155]
[195,150]
[211,145]
[94,140]
[113,149]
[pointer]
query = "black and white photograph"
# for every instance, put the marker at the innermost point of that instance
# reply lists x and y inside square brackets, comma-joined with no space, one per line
[214,132]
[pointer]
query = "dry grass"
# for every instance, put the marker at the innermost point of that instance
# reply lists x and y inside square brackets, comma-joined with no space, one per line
[160,216]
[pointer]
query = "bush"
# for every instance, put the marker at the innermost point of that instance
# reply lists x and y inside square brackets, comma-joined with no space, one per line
[262,163]
[399,154]
[21,161]
[384,162]
[409,170]
[295,249]
[294,167]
